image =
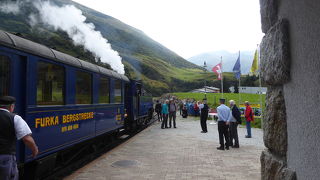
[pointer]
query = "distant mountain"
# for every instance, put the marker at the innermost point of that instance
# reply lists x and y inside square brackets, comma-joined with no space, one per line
[158,67]
[228,60]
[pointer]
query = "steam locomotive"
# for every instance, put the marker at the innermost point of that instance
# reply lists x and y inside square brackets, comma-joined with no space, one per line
[70,105]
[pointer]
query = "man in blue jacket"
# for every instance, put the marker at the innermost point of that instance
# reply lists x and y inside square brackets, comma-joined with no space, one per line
[234,121]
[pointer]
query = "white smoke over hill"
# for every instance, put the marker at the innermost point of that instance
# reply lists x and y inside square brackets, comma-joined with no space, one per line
[71,20]
[10,7]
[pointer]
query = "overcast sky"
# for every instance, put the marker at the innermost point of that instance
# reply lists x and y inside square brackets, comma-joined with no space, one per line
[190,27]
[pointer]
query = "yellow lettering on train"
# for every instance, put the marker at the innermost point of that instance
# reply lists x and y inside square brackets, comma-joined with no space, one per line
[38,121]
[46,121]
[77,117]
[54,120]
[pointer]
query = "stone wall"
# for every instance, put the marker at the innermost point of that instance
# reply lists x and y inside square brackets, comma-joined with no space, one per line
[290,64]
[275,71]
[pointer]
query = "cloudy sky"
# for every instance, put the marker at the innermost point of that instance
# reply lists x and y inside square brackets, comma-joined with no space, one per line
[190,27]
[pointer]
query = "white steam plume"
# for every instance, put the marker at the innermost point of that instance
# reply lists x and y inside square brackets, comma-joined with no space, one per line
[10,7]
[70,19]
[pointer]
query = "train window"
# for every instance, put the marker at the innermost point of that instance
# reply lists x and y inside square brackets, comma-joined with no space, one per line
[50,84]
[117,91]
[104,92]
[4,75]
[84,88]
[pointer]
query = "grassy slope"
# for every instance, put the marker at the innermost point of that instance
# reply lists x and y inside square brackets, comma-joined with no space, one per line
[160,69]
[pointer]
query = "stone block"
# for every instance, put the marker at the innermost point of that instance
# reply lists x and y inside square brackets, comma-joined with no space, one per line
[288,174]
[275,55]
[274,121]
[274,168]
[269,14]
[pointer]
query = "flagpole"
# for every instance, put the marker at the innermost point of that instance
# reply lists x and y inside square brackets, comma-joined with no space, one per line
[221,77]
[239,90]
[239,84]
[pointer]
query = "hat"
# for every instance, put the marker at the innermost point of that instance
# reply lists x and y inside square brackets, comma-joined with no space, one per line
[7,100]
[222,100]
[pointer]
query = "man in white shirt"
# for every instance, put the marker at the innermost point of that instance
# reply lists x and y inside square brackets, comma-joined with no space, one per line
[224,116]
[12,128]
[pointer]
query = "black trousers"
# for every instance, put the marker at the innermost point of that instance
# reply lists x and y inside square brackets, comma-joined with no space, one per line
[233,129]
[164,123]
[223,133]
[203,121]
[172,116]
[159,116]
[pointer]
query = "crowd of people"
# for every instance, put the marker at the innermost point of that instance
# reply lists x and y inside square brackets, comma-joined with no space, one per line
[13,127]
[228,120]
[165,111]
[229,117]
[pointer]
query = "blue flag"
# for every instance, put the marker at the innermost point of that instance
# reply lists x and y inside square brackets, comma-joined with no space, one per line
[236,68]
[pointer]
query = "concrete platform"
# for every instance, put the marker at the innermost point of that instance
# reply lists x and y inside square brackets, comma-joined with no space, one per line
[182,153]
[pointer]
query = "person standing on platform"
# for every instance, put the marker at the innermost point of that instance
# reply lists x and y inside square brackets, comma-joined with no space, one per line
[200,105]
[12,128]
[196,109]
[204,116]
[165,112]
[180,107]
[224,115]
[184,112]
[172,113]
[248,113]
[158,110]
[234,121]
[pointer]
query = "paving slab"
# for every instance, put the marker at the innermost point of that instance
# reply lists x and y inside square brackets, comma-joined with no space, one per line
[182,153]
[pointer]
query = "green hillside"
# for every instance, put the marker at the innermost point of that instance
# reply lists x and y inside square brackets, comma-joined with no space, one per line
[160,69]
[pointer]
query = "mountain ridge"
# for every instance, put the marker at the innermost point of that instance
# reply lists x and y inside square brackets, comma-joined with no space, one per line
[161,69]
[228,60]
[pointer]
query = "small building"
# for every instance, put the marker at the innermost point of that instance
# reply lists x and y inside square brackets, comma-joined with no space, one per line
[206,89]
[250,90]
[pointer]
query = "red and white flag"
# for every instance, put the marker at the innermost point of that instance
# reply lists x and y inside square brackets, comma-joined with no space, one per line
[218,70]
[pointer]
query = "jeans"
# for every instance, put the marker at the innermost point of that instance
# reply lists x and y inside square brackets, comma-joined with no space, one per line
[8,167]
[164,123]
[248,125]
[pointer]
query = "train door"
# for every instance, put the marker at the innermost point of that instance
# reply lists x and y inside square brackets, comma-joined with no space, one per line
[13,83]
[138,99]
[13,79]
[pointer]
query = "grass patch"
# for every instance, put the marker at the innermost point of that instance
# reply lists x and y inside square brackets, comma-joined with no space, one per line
[213,98]
[255,124]
[213,101]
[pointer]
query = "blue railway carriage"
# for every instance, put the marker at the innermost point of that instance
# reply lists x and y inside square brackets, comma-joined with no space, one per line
[139,106]
[66,102]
